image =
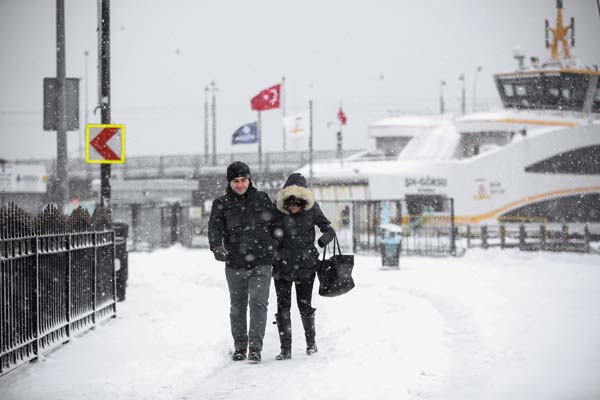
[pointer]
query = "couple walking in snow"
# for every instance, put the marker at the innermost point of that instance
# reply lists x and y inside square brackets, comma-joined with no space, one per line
[257,240]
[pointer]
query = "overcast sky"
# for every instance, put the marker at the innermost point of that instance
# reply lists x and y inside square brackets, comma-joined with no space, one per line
[374,56]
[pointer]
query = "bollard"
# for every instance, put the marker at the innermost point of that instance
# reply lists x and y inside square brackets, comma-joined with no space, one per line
[565,237]
[468,236]
[586,238]
[543,236]
[522,237]
[121,255]
[484,237]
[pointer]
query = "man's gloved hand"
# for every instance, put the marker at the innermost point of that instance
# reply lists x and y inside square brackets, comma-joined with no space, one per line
[220,253]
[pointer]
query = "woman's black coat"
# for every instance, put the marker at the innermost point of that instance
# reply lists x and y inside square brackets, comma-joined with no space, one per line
[297,256]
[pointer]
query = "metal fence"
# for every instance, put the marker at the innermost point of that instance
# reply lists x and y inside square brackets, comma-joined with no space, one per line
[57,278]
[154,226]
[531,236]
[426,230]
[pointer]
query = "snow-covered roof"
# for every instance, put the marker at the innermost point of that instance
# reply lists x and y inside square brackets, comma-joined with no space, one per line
[407,125]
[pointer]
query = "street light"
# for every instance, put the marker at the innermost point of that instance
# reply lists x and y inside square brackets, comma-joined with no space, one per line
[442,84]
[475,88]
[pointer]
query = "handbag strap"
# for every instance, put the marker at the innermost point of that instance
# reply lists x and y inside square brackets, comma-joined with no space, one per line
[336,242]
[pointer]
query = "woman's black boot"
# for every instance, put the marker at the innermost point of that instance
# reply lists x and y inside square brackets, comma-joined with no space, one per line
[308,321]
[284,326]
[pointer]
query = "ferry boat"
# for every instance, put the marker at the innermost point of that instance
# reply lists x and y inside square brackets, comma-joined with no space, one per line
[537,159]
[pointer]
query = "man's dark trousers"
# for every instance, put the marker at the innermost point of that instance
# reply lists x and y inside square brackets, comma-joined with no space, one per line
[248,285]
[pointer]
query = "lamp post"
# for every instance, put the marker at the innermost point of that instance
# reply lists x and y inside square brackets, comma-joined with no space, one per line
[477,71]
[442,84]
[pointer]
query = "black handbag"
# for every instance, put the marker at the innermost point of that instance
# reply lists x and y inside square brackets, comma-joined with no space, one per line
[335,273]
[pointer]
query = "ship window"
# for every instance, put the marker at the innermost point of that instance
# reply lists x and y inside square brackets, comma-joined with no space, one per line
[474,143]
[577,208]
[557,91]
[582,161]
[391,146]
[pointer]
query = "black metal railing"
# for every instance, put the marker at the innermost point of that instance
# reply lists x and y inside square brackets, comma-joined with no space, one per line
[427,230]
[153,226]
[57,278]
[531,236]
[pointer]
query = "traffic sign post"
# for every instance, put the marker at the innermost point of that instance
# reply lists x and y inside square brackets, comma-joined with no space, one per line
[105,144]
[104,92]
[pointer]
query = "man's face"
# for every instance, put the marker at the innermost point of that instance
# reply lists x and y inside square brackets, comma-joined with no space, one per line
[240,185]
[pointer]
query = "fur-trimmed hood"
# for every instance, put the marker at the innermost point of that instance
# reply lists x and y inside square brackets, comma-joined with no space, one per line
[296,186]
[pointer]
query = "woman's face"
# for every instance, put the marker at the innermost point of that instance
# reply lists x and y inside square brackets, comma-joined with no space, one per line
[294,209]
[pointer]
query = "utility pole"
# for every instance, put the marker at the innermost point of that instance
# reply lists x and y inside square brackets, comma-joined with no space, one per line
[442,84]
[477,71]
[463,99]
[86,102]
[283,123]
[206,125]
[86,105]
[62,185]
[214,122]
[104,92]
[310,138]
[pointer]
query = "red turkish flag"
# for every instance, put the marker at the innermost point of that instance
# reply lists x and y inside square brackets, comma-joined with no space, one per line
[267,99]
[342,116]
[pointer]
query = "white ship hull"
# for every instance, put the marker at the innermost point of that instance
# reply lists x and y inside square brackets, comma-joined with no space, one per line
[484,187]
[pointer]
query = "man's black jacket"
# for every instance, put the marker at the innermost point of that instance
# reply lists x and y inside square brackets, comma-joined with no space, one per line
[245,225]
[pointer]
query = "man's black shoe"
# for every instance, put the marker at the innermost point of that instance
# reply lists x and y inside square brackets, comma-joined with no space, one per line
[254,354]
[239,355]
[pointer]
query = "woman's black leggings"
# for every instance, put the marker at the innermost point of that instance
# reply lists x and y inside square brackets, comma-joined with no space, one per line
[304,289]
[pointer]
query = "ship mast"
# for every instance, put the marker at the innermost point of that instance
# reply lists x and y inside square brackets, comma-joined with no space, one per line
[559,35]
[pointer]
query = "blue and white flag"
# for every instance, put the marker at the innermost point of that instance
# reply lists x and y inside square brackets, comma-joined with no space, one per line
[245,134]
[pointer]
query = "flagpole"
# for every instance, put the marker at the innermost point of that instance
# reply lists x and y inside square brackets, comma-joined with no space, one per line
[310,138]
[259,134]
[283,121]
[339,137]
[339,145]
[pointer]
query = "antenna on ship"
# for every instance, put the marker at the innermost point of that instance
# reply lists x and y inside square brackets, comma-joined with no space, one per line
[559,34]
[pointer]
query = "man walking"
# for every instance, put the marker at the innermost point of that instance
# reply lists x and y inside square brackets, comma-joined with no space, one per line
[241,232]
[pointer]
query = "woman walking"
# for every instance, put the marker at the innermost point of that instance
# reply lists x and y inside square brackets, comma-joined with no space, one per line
[296,259]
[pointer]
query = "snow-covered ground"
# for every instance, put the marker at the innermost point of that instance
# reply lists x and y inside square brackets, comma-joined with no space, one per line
[489,325]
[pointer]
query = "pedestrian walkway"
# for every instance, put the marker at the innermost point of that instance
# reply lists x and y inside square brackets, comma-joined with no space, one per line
[438,328]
